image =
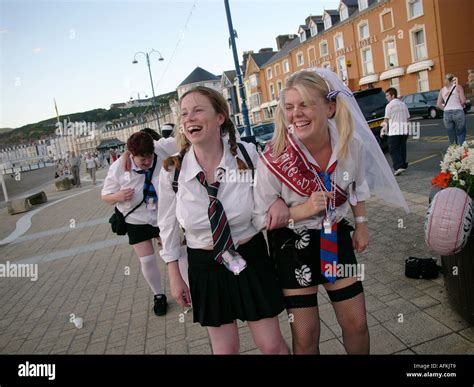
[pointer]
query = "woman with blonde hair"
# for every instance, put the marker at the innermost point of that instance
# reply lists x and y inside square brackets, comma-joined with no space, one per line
[231,276]
[316,163]
[452,99]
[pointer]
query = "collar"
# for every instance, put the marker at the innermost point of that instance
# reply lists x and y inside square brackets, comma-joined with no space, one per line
[191,166]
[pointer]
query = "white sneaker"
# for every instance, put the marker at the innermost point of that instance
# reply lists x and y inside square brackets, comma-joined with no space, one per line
[399,171]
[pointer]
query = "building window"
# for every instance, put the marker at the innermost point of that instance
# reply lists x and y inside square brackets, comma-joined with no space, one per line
[391,59]
[419,45]
[299,59]
[279,86]
[314,29]
[395,83]
[341,68]
[323,48]
[367,62]
[257,116]
[253,80]
[277,69]
[272,92]
[286,66]
[327,21]
[415,8]
[269,73]
[422,81]
[363,30]
[338,42]
[302,36]
[311,56]
[386,20]
[343,12]
[255,100]
[363,4]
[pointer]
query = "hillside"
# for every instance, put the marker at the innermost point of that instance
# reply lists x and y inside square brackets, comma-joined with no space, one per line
[46,128]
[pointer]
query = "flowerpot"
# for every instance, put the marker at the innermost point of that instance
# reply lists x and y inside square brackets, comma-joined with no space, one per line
[458,272]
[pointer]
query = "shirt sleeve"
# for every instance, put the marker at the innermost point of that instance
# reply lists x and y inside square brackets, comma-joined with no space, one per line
[267,189]
[111,182]
[362,188]
[387,111]
[170,232]
[165,147]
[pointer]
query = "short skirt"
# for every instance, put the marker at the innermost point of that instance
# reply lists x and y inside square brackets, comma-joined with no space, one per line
[297,255]
[141,232]
[220,297]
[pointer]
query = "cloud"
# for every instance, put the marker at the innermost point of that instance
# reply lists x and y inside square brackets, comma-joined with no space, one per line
[37,50]
[3,31]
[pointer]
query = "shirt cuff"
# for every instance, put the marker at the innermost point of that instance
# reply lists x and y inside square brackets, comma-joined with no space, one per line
[171,255]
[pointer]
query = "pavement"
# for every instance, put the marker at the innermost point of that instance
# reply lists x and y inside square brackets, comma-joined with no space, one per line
[84,270]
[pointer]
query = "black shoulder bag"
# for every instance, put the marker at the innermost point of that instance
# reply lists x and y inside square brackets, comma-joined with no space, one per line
[117,220]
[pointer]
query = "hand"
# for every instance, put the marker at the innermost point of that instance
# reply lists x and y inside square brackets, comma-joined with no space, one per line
[360,237]
[383,130]
[180,291]
[317,202]
[125,195]
[278,215]
[125,159]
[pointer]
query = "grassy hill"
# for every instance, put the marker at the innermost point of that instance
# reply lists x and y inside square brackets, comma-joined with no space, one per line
[46,128]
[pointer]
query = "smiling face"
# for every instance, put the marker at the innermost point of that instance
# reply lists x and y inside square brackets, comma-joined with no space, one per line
[307,116]
[199,120]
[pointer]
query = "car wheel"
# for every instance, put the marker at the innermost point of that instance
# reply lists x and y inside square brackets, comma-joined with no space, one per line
[433,113]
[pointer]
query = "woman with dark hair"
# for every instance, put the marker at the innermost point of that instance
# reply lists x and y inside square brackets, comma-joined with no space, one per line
[136,188]
[231,276]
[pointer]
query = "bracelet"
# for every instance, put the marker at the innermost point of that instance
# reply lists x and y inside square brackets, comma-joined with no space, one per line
[361,219]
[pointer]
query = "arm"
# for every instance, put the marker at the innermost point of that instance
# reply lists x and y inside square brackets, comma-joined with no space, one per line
[360,238]
[440,101]
[170,234]
[165,147]
[462,96]
[112,192]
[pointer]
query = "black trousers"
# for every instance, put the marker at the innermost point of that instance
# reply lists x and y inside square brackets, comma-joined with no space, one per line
[397,146]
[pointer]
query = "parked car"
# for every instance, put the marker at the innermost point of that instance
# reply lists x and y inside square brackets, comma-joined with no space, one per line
[262,133]
[372,102]
[424,104]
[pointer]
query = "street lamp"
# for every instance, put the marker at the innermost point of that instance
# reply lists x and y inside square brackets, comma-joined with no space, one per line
[147,55]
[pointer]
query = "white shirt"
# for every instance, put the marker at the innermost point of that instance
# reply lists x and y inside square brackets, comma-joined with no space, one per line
[268,187]
[397,114]
[90,162]
[188,208]
[454,102]
[118,179]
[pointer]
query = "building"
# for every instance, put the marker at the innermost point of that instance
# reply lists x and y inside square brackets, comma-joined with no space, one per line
[199,77]
[406,44]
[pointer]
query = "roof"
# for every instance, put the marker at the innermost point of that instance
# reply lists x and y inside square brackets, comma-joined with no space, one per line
[199,75]
[230,75]
[351,3]
[284,50]
[262,57]
[110,143]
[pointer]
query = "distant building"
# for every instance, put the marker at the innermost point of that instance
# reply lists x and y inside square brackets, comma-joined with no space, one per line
[199,77]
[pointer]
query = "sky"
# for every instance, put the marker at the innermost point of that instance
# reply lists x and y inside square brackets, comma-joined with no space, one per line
[80,52]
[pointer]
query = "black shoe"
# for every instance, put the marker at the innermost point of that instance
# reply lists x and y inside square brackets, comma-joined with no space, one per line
[161,306]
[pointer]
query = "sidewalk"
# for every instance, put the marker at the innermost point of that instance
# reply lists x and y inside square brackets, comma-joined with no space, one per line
[86,270]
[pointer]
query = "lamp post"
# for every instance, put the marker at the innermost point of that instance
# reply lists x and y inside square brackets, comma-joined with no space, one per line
[147,56]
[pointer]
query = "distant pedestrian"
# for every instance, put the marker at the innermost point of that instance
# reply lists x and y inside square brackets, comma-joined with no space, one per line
[91,166]
[452,100]
[75,163]
[167,130]
[113,155]
[396,127]
[107,156]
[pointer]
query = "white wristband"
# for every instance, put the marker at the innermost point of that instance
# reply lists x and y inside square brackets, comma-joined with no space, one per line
[361,219]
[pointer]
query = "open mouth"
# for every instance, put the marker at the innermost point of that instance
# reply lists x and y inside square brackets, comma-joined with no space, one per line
[194,129]
[302,124]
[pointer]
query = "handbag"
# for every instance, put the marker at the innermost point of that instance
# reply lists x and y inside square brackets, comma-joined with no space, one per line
[117,220]
[425,268]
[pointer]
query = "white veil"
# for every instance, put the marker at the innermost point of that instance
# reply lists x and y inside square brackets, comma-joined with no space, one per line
[379,176]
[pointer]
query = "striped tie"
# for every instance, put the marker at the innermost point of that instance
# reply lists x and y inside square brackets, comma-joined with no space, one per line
[219,225]
[328,242]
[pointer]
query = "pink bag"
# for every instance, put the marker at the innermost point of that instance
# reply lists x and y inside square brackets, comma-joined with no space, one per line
[448,222]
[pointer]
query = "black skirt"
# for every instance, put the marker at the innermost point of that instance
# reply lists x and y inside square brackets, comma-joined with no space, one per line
[297,259]
[141,232]
[220,297]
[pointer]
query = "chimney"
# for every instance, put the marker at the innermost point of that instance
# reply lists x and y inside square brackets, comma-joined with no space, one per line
[245,55]
[281,40]
[266,49]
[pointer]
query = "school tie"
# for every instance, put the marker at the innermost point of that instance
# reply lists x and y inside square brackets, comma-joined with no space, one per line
[148,187]
[219,225]
[328,242]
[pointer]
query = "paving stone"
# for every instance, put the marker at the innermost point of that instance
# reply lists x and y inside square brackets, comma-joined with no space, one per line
[383,342]
[452,344]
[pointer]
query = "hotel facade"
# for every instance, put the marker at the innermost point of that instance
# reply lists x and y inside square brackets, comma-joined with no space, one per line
[406,44]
